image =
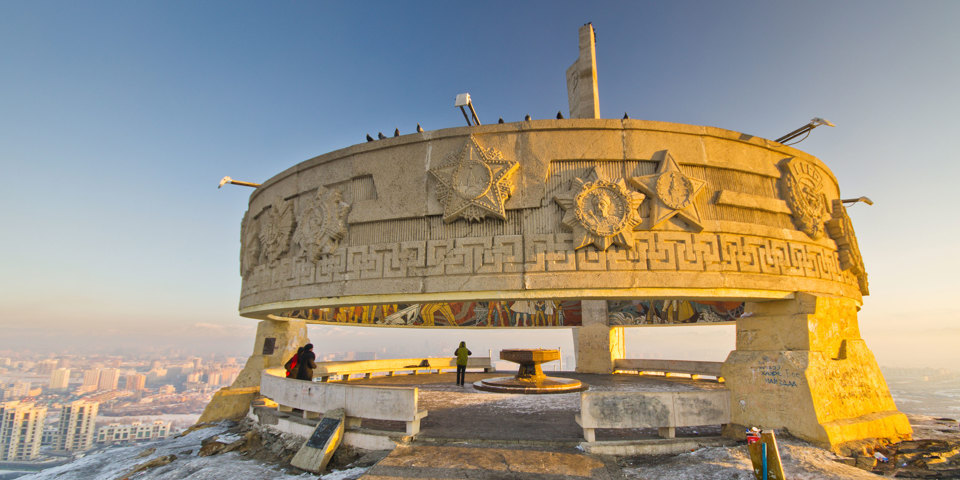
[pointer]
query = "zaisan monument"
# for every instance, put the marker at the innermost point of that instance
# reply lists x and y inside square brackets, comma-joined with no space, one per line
[585,223]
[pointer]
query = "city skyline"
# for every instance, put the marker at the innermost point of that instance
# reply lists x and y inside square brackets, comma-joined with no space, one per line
[121,118]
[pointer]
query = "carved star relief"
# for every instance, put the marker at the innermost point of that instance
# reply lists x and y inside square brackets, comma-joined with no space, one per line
[474,183]
[600,212]
[674,192]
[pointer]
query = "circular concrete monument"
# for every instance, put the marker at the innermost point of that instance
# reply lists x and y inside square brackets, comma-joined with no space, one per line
[589,224]
[530,378]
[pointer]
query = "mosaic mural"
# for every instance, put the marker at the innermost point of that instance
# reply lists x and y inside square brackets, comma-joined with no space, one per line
[522,313]
[671,312]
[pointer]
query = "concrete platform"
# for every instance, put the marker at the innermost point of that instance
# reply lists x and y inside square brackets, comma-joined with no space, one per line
[465,414]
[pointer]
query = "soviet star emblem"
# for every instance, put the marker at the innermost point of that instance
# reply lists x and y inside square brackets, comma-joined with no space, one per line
[600,212]
[322,225]
[474,182]
[674,192]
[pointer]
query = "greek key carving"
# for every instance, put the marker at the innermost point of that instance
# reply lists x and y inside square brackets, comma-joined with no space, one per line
[650,251]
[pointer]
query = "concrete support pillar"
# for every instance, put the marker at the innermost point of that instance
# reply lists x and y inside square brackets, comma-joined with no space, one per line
[801,365]
[596,344]
[276,342]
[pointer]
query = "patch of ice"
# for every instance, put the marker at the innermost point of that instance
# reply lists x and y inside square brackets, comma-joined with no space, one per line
[355,472]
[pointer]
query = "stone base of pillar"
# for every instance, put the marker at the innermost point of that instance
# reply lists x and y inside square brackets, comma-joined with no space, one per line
[596,344]
[275,343]
[801,366]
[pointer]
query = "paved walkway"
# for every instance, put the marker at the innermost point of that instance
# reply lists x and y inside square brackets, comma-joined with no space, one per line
[464,413]
[436,462]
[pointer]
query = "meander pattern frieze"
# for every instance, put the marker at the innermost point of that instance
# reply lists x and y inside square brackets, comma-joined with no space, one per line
[545,253]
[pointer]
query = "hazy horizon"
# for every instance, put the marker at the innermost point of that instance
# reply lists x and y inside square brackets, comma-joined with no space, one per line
[120,118]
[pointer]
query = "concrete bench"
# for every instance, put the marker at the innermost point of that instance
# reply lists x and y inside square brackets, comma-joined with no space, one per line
[347,369]
[662,410]
[358,401]
[693,368]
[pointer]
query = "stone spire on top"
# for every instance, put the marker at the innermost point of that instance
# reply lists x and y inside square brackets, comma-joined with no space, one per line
[582,78]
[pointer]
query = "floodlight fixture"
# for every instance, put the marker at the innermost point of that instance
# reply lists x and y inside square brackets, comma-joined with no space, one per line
[804,130]
[463,100]
[226,180]
[856,200]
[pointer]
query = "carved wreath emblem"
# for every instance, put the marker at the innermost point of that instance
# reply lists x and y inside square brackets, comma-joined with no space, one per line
[276,226]
[600,212]
[474,183]
[840,228]
[674,192]
[802,184]
[324,223]
[249,244]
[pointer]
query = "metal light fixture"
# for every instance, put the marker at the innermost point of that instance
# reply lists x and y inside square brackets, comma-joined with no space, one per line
[814,123]
[226,180]
[463,100]
[855,200]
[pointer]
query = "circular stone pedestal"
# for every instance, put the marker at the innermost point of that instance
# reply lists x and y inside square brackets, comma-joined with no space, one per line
[530,378]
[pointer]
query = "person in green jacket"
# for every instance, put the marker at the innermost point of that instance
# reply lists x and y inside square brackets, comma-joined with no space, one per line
[462,353]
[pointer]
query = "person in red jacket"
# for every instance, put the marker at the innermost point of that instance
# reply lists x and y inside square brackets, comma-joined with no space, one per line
[291,364]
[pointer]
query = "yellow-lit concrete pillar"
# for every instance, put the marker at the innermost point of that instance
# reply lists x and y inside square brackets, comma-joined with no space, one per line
[596,344]
[800,365]
[276,342]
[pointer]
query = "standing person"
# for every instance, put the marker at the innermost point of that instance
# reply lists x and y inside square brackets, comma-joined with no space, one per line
[305,363]
[291,364]
[462,353]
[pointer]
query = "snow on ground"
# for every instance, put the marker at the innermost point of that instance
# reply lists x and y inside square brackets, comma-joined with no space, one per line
[801,461]
[116,463]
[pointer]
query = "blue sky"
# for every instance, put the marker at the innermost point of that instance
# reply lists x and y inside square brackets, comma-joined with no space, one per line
[118,118]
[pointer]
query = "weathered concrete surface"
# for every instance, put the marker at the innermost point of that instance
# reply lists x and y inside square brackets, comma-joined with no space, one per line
[287,337]
[801,365]
[596,344]
[653,409]
[488,463]
[464,413]
[314,457]
[582,92]
[669,366]
[359,402]
[393,365]
[229,403]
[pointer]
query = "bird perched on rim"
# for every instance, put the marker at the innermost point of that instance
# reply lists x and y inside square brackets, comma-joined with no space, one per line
[625,116]
[396,132]
[559,115]
[526,118]
[419,128]
[381,136]
[501,120]
[369,138]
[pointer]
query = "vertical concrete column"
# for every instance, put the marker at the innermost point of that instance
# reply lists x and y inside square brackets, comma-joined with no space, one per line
[276,341]
[596,344]
[801,365]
